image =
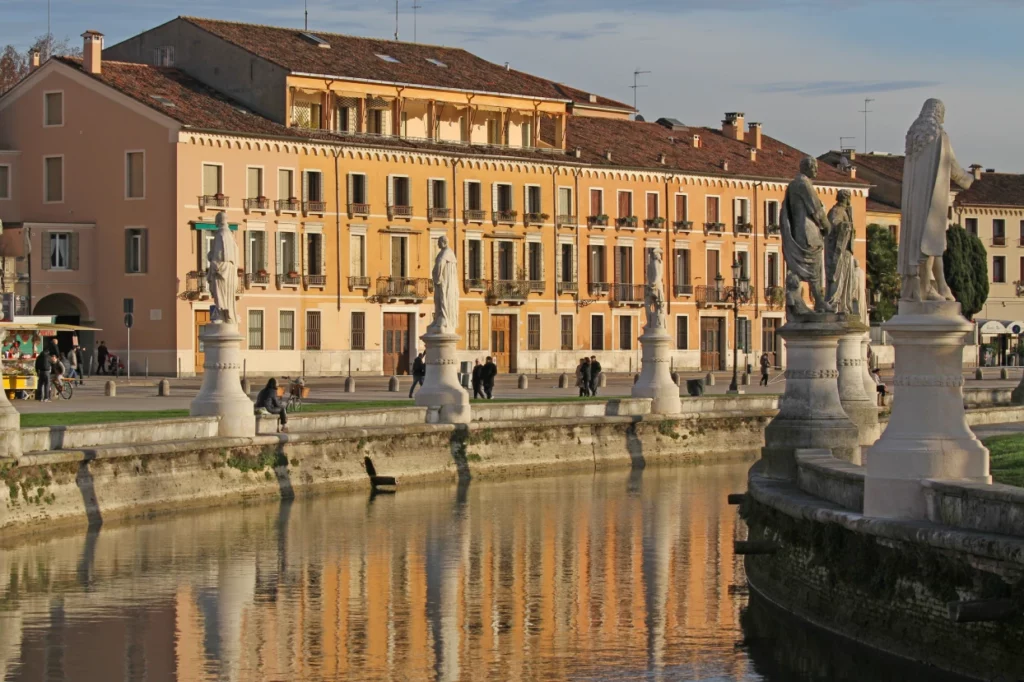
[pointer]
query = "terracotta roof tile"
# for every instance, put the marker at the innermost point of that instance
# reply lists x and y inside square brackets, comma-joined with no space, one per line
[879,207]
[994,189]
[359,58]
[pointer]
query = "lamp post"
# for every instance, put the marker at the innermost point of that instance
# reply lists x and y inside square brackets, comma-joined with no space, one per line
[738,293]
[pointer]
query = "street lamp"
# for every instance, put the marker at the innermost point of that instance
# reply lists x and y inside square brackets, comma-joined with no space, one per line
[738,293]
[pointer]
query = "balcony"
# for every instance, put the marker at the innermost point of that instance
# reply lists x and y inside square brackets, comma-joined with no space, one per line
[683,289]
[357,209]
[714,228]
[598,289]
[682,225]
[439,214]
[315,207]
[403,288]
[474,215]
[628,222]
[260,278]
[314,281]
[213,201]
[597,221]
[537,285]
[537,219]
[256,204]
[512,291]
[287,206]
[358,282]
[196,286]
[710,296]
[774,297]
[504,217]
[773,229]
[565,220]
[742,229]
[473,284]
[289,279]
[627,295]
[654,224]
[567,288]
[999,240]
[400,211]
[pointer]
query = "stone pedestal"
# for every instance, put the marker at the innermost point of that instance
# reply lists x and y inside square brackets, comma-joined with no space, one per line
[860,407]
[441,386]
[655,380]
[10,429]
[221,394]
[811,415]
[927,435]
[869,382]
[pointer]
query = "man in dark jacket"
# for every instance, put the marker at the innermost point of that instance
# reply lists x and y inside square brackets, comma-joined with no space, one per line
[43,368]
[595,374]
[77,350]
[101,358]
[477,378]
[487,375]
[419,372]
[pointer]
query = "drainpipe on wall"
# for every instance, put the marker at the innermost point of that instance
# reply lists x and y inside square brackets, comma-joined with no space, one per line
[337,220]
[576,208]
[558,245]
[757,257]
[455,220]
[668,254]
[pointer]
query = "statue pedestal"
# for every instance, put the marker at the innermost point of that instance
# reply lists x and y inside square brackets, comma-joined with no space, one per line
[811,414]
[927,435]
[655,380]
[861,408]
[441,387]
[10,429]
[221,394]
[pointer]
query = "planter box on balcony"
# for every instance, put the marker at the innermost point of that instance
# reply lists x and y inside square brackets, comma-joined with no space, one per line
[654,224]
[597,221]
[627,222]
[714,228]
[535,218]
[213,201]
[743,228]
[512,291]
[682,225]
[773,229]
[505,217]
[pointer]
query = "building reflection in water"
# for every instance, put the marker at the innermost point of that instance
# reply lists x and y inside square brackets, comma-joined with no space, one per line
[568,577]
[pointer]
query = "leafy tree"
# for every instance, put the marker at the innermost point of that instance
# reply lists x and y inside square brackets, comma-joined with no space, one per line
[883,281]
[966,266]
[12,67]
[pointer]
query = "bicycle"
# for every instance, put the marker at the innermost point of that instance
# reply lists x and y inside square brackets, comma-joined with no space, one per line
[292,397]
[61,387]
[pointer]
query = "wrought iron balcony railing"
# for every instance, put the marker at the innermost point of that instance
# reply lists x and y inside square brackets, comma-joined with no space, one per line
[598,288]
[358,282]
[508,290]
[474,215]
[682,225]
[537,219]
[713,295]
[256,204]
[567,287]
[683,289]
[213,201]
[627,221]
[257,278]
[714,228]
[287,205]
[743,228]
[565,220]
[473,284]
[196,285]
[773,229]
[506,217]
[358,209]
[316,281]
[627,294]
[439,214]
[400,211]
[314,207]
[999,240]
[289,279]
[404,288]
[597,221]
[774,296]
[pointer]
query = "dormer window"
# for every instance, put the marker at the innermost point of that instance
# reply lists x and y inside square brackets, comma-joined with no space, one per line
[388,58]
[316,40]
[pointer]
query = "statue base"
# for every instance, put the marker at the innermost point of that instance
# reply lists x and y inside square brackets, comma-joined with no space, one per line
[10,429]
[655,380]
[441,387]
[221,394]
[927,435]
[811,415]
[860,407]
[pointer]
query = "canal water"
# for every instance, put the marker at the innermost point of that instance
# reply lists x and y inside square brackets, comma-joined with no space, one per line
[616,576]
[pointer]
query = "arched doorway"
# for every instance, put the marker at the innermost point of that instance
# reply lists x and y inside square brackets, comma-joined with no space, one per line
[66,309]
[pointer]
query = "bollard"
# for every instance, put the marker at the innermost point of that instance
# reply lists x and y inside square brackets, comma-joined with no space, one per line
[675,378]
[1004,373]
[745,380]
[110,389]
[602,380]
[464,379]
[350,385]
[163,389]
[394,385]
[709,380]
[245,386]
[636,377]
[978,374]
[563,381]
[523,381]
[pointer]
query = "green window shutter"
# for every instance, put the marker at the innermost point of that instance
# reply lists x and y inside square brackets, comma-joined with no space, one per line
[430,194]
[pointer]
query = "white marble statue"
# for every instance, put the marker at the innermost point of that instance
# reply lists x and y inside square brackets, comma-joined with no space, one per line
[804,224]
[654,292]
[840,265]
[222,274]
[927,169]
[446,290]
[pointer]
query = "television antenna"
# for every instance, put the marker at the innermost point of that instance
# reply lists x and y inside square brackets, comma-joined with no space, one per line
[305,13]
[866,111]
[842,144]
[396,20]
[636,75]
[415,7]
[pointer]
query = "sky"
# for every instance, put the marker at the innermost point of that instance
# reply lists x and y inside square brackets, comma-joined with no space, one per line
[801,67]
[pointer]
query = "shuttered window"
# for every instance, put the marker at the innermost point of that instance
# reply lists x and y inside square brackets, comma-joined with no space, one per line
[567,343]
[286,330]
[597,332]
[359,331]
[285,188]
[625,333]
[255,330]
[314,254]
[213,177]
[652,205]
[682,332]
[54,177]
[135,175]
[625,204]
[596,202]
[253,182]
[534,262]
[135,250]
[312,330]
[5,182]
[473,199]
[473,340]
[596,268]
[682,209]
[568,273]
[681,267]
[712,210]
[357,255]
[533,332]
[53,105]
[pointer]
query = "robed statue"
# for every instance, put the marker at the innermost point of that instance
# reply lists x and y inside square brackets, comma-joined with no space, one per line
[654,292]
[804,225]
[840,265]
[928,167]
[222,273]
[446,290]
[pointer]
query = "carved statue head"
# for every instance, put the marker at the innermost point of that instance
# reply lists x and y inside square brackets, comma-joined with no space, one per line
[442,242]
[928,126]
[809,166]
[843,197]
[221,220]
[656,253]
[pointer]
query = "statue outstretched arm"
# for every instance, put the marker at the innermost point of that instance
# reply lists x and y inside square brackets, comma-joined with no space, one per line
[958,174]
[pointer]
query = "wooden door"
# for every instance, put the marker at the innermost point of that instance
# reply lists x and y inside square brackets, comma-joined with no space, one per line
[770,339]
[396,343]
[502,342]
[710,343]
[202,319]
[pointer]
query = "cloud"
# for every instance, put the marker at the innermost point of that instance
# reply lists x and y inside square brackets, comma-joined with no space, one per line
[823,88]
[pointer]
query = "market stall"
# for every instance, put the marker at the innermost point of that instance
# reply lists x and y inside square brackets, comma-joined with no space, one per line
[23,343]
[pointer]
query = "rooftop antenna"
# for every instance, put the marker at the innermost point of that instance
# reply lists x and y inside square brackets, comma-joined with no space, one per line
[305,12]
[842,144]
[866,111]
[636,74]
[396,20]
[414,8]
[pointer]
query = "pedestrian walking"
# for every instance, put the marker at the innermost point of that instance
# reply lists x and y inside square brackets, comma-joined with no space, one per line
[595,374]
[583,377]
[487,375]
[72,365]
[267,400]
[419,372]
[765,364]
[79,364]
[477,378]
[43,366]
[101,358]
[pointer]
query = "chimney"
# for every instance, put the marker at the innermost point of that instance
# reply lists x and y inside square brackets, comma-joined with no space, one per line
[732,125]
[608,155]
[753,153]
[975,170]
[577,152]
[725,165]
[661,158]
[853,172]
[507,67]
[33,59]
[593,99]
[696,141]
[755,134]
[92,52]
[849,153]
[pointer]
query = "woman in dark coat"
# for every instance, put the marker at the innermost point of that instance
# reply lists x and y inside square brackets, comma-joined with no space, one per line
[267,400]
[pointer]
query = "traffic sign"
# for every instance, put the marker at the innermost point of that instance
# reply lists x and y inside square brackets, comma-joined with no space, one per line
[129,320]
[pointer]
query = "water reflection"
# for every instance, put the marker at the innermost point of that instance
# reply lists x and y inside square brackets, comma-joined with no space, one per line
[623,576]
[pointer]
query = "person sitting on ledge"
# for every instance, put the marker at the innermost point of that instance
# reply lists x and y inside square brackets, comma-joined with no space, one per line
[267,400]
[879,386]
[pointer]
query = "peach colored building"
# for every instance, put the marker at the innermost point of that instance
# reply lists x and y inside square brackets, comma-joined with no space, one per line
[341,161]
